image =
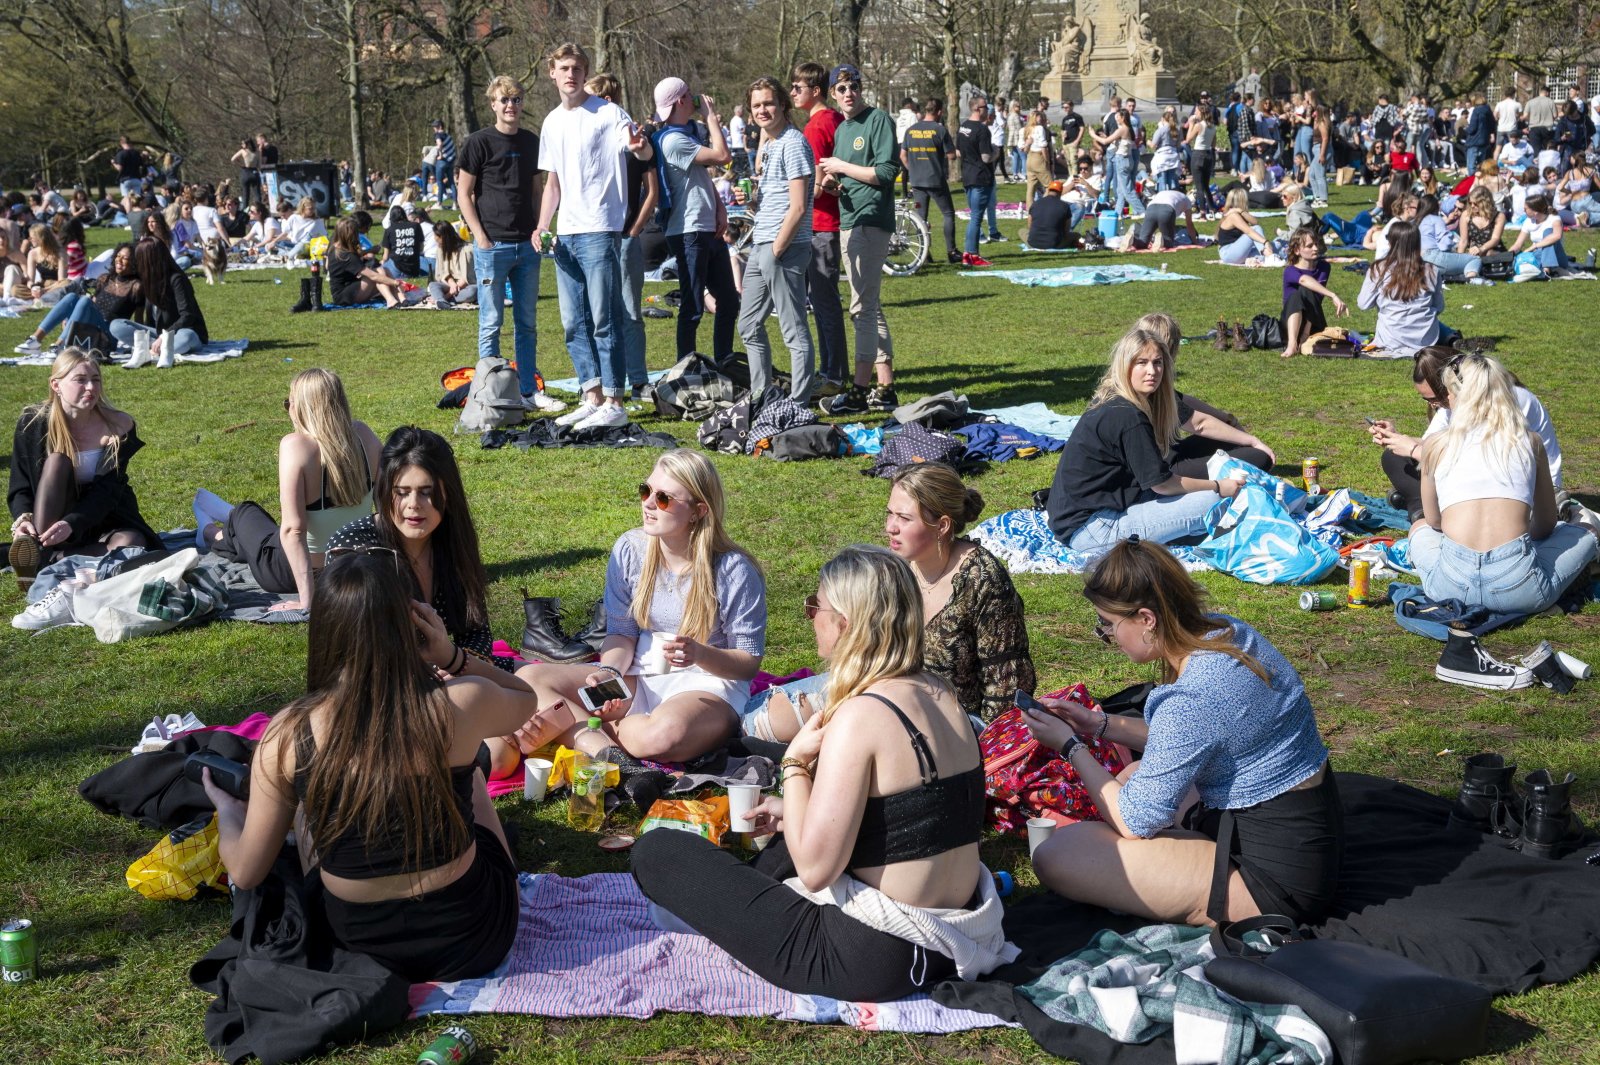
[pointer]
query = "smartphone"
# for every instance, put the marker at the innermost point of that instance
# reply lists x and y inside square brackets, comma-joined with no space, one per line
[1370,421]
[232,777]
[1027,702]
[596,697]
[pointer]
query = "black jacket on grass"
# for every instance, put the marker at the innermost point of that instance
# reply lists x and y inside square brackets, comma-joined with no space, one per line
[104,505]
[177,308]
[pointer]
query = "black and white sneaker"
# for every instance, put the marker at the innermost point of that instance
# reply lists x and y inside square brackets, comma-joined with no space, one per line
[1465,662]
[851,401]
[882,398]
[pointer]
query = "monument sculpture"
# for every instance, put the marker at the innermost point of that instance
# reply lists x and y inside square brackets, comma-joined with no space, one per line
[1105,48]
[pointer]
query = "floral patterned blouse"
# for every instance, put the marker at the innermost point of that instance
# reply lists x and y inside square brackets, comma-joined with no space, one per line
[978,641]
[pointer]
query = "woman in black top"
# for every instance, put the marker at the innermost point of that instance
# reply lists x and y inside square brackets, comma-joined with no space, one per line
[172,317]
[1115,478]
[352,277]
[881,812]
[379,759]
[116,295]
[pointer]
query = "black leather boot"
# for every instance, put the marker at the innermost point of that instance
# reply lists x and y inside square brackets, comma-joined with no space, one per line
[1549,827]
[542,636]
[594,634]
[316,288]
[1488,799]
[305,297]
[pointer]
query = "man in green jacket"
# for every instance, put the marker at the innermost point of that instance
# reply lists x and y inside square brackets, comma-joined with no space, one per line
[863,168]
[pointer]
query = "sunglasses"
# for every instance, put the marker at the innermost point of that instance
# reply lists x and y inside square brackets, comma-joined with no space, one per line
[814,607]
[372,550]
[515,101]
[1107,630]
[664,500]
[847,86]
[285,402]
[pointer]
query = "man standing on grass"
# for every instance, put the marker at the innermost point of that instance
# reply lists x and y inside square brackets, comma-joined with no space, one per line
[444,162]
[582,149]
[977,174]
[925,152]
[1541,113]
[808,92]
[862,172]
[499,198]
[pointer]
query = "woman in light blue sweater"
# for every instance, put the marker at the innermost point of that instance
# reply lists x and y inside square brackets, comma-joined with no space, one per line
[1231,726]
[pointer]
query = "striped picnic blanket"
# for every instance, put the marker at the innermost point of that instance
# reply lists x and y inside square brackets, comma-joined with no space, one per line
[586,947]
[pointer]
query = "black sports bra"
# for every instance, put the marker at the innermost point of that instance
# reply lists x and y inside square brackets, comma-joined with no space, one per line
[934,817]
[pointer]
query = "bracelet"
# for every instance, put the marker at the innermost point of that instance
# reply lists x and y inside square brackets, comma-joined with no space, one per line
[803,770]
[1100,733]
[1217,486]
[1072,744]
[458,662]
[795,763]
[613,670]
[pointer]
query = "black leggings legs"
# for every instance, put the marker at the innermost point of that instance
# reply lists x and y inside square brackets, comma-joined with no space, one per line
[251,536]
[1406,477]
[947,208]
[56,495]
[1189,455]
[777,933]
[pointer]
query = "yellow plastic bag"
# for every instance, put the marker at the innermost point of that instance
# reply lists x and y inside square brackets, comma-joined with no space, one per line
[707,818]
[184,861]
[562,772]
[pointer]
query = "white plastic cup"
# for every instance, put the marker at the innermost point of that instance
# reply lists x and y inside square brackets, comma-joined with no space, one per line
[536,778]
[742,800]
[655,660]
[87,575]
[1039,830]
[1576,667]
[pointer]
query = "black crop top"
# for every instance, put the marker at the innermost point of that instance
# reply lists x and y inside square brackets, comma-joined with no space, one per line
[355,858]
[934,817]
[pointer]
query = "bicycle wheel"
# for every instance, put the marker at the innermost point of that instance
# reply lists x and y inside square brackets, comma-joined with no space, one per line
[743,228]
[908,244]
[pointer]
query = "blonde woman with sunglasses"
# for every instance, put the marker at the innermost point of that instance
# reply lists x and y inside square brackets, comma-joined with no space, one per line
[686,626]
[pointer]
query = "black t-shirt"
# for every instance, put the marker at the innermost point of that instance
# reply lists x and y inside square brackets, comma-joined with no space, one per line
[344,274]
[1048,221]
[973,142]
[1111,462]
[927,146]
[269,156]
[505,168]
[404,243]
[1071,130]
[636,175]
[237,226]
[129,163]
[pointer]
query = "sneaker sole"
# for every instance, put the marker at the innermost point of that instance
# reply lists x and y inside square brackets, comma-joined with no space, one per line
[24,559]
[1516,681]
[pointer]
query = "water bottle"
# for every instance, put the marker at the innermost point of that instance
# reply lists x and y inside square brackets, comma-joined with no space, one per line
[586,809]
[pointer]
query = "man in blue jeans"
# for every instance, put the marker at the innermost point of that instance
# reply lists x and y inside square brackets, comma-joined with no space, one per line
[499,197]
[582,149]
[444,163]
[975,145]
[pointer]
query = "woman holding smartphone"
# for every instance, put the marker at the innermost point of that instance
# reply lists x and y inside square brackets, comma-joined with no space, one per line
[686,626]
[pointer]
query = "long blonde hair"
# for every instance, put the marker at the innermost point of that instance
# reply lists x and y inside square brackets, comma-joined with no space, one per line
[708,541]
[1483,407]
[319,409]
[43,237]
[873,590]
[1161,408]
[57,433]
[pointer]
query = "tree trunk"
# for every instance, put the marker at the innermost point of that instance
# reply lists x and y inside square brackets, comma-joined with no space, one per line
[463,118]
[352,85]
[847,24]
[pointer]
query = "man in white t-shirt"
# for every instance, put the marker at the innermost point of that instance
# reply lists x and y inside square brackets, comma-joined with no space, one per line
[582,147]
[1506,114]
[1517,153]
[736,128]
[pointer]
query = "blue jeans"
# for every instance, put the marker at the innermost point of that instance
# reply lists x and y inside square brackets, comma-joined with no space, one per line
[632,308]
[1552,256]
[1125,173]
[515,261]
[1349,233]
[1454,262]
[704,266]
[1474,157]
[589,285]
[1167,180]
[1162,519]
[69,310]
[1317,174]
[182,341]
[1520,576]
[1018,161]
[1302,141]
[980,200]
[753,719]
[994,223]
[1238,250]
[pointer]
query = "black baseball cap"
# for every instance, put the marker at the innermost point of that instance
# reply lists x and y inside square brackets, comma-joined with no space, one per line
[843,72]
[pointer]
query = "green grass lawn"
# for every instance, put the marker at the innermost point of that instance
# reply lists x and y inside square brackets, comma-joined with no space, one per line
[115,965]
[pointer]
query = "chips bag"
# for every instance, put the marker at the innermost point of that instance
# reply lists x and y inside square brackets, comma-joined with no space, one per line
[707,818]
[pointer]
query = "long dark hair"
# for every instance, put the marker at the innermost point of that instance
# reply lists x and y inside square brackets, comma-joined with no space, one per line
[384,761]
[458,575]
[448,237]
[153,262]
[1402,275]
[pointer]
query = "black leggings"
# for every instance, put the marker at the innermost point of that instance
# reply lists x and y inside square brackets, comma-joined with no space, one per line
[1406,477]
[1189,456]
[54,499]
[946,207]
[781,936]
[251,536]
[1203,165]
[1157,216]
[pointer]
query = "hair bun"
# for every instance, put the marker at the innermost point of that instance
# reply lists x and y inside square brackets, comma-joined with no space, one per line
[972,506]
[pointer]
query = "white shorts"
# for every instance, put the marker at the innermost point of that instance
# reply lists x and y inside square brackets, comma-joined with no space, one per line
[650,692]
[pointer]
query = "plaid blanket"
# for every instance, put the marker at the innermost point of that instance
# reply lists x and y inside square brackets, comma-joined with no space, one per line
[1147,983]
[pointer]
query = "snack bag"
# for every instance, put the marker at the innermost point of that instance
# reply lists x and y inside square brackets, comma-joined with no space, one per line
[707,818]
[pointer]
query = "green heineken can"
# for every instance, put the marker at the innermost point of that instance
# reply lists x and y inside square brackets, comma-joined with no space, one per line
[19,952]
[454,1046]
[1321,601]
[747,187]
[547,241]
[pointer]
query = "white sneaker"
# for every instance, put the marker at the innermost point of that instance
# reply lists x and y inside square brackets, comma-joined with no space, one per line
[51,612]
[29,347]
[578,414]
[609,416]
[542,401]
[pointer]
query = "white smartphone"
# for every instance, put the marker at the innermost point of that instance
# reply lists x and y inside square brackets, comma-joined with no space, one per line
[596,697]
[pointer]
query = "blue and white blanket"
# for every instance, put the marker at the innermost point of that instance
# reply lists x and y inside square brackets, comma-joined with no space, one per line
[1079,276]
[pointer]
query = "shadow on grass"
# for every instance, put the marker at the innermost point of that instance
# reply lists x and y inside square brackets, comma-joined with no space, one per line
[536,565]
[933,301]
[278,345]
[1506,1032]
[996,386]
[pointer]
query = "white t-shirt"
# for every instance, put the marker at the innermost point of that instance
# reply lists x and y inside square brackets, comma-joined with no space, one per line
[1174,199]
[1550,159]
[207,222]
[1516,156]
[1505,114]
[736,132]
[583,147]
[1538,420]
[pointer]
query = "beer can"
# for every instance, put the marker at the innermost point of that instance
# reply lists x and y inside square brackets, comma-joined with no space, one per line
[454,1046]
[1319,601]
[19,952]
[547,240]
[1311,473]
[1360,590]
[747,187]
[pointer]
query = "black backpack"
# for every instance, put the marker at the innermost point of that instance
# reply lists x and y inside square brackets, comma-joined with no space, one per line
[775,412]
[1265,331]
[821,440]
[914,444]
[727,429]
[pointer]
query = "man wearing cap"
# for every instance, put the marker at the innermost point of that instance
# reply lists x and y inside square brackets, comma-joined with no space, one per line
[1049,218]
[581,148]
[444,161]
[863,167]
[499,198]
[697,218]
[808,90]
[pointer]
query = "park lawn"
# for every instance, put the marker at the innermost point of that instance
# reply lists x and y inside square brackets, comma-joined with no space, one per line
[115,965]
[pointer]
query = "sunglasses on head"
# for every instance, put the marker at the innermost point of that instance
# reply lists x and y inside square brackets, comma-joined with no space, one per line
[372,550]
[664,500]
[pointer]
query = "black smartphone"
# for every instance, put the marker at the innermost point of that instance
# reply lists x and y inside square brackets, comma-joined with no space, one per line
[232,777]
[1027,702]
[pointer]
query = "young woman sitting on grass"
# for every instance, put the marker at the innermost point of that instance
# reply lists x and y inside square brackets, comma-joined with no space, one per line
[1229,723]
[1578,187]
[1115,477]
[874,888]
[376,769]
[46,266]
[1541,235]
[1482,225]
[1305,285]
[975,635]
[116,296]
[326,470]
[1439,244]
[686,626]
[172,317]
[352,276]
[1406,292]
[69,492]
[455,280]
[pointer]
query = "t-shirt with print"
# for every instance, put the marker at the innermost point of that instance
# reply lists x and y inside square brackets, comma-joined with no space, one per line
[1111,462]
[504,168]
[582,147]
[782,160]
[821,129]
[867,140]
[927,146]
[974,142]
[694,203]
[403,241]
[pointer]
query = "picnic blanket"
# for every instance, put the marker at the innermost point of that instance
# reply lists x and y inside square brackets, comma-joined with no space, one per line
[216,351]
[1012,211]
[1036,417]
[1076,276]
[1459,902]
[1048,251]
[586,947]
[1022,540]
[1260,264]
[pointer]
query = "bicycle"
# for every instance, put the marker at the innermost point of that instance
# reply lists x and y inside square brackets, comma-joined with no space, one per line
[908,243]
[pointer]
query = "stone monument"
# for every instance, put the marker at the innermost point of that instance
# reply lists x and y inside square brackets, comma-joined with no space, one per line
[1105,48]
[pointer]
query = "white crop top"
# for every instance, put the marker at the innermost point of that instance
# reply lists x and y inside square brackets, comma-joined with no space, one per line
[88,464]
[1474,473]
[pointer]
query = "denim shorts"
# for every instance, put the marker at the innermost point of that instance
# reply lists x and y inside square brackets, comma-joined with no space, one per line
[1521,576]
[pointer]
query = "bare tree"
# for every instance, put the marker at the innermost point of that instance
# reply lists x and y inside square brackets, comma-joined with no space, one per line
[461,32]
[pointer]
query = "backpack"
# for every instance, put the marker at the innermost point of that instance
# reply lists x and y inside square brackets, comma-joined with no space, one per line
[664,193]
[494,399]
[1265,331]
[694,389]
[775,412]
[1023,778]
[822,440]
[913,444]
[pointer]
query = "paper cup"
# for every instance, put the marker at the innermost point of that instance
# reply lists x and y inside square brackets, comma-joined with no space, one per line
[742,798]
[655,660]
[1039,830]
[535,778]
